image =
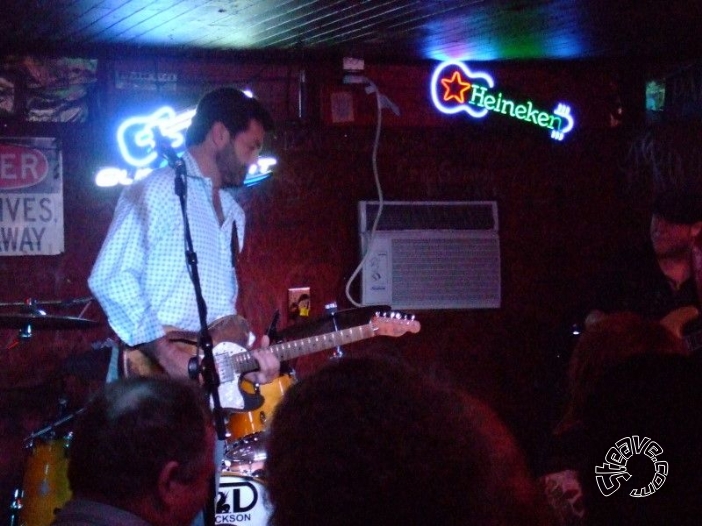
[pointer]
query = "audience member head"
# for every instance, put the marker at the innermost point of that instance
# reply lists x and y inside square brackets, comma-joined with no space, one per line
[145,445]
[653,399]
[605,343]
[373,441]
[676,221]
[230,106]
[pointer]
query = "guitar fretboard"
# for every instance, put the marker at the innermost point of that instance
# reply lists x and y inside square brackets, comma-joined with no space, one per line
[245,362]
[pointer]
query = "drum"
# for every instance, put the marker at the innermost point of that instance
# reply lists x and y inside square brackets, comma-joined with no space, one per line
[241,500]
[45,482]
[248,422]
[246,456]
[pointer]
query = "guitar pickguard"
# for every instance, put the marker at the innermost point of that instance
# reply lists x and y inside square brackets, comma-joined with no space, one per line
[229,394]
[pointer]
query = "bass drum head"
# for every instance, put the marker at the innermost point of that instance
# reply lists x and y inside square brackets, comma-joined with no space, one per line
[241,500]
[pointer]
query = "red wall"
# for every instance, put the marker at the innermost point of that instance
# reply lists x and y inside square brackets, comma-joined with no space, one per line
[561,210]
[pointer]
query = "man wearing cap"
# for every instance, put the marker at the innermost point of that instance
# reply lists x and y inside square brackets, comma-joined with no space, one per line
[662,280]
[658,283]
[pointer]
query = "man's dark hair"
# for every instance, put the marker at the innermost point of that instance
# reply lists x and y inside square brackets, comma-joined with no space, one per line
[373,441]
[230,106]
[130,430]
[679,206]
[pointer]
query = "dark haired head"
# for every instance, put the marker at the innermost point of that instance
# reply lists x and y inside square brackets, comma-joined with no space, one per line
[373,441]
[606,344]
[130,430]
[230,106]
[679,207]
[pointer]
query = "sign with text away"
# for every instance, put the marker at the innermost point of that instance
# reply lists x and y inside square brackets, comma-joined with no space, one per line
[431,255]
[31,197]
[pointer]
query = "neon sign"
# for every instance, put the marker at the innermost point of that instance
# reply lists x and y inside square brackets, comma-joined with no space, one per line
[136,141]
[455,88]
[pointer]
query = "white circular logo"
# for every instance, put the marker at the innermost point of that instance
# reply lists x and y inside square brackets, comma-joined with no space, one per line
[614,469]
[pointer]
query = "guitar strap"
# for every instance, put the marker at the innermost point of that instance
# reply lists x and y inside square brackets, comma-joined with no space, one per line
[235,245]
[696,264]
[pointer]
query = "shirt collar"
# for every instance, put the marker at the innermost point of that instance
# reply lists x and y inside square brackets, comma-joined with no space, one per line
[192,167]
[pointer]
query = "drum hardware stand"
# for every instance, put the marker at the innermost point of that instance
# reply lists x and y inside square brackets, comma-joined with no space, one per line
[29,306]
[331,309]
[51,428]
[204,367]
[16,507]
[32,314]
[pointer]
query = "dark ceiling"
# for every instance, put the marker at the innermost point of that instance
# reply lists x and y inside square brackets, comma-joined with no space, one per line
[405,30]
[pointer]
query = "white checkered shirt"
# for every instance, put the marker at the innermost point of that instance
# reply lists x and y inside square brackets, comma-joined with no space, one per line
[140,276]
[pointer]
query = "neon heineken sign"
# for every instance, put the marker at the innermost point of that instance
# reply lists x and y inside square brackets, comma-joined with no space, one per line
[455,88]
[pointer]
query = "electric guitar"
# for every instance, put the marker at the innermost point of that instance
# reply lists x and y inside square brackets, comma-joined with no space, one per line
[232,359]
[685,323]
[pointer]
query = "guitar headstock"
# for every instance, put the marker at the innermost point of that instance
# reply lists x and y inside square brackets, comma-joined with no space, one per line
[394,324]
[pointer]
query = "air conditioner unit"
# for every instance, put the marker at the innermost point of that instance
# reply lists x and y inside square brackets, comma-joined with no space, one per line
[431,255]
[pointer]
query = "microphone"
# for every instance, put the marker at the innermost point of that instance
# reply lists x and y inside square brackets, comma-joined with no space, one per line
[163,147]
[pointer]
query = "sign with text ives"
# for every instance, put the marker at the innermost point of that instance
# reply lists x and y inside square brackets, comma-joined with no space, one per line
[456,88]
[31,197]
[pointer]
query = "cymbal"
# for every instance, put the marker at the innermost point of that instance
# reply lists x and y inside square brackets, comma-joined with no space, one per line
[44,321]
[32,302]
[326,323]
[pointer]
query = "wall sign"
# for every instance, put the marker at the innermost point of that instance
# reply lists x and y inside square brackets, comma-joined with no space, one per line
[136,139]
[455,88]
[31,197]
[137,146]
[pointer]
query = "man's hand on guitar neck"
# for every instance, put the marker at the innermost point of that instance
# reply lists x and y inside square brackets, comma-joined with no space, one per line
[268,364]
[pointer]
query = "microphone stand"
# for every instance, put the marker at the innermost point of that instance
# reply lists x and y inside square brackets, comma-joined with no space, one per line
[205,367]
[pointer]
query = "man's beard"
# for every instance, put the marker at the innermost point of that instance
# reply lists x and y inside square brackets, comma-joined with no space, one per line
[231,170]
[677,251]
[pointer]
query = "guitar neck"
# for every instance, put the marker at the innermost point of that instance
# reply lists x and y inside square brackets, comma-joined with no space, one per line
[245,362]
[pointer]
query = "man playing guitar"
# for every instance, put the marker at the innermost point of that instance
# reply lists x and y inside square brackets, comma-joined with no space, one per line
[141,278]
[662,282]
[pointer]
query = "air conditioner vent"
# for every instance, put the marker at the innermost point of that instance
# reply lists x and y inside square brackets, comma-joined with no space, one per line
[426,215]
[432,268]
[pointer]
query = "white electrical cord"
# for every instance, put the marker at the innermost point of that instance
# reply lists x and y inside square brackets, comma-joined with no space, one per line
[382,101]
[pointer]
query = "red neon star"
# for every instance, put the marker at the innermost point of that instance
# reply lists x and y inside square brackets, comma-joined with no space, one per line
[458,94]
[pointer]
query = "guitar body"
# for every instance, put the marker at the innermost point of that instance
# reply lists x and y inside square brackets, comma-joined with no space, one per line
[686,324]
[246,423]
[232,359]
[229,335]
[679,321]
